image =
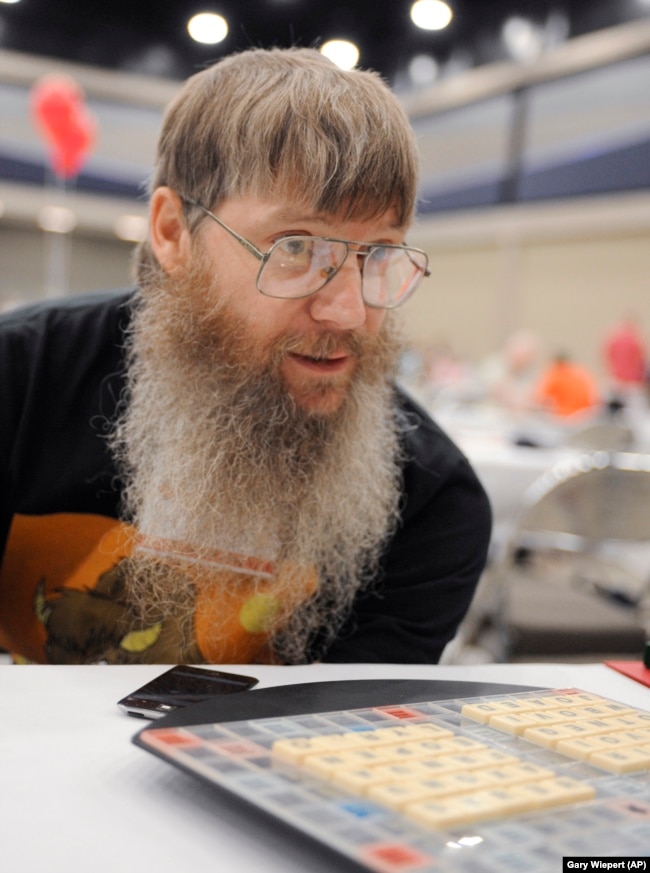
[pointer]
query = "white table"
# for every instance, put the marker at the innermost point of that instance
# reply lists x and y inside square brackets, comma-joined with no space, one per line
[507,472]
[487,436]
[78,797]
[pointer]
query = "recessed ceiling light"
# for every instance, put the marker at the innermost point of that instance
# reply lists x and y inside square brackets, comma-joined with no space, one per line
[208,28]
[431,14]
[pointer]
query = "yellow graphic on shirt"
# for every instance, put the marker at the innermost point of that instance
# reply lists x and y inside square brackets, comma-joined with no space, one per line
[63,597]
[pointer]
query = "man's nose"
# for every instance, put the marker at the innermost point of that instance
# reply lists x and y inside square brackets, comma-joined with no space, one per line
[340,303]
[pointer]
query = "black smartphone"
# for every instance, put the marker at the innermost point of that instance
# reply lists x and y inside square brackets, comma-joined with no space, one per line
[179,687]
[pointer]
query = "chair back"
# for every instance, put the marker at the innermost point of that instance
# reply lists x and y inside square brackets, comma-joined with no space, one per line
[593,497]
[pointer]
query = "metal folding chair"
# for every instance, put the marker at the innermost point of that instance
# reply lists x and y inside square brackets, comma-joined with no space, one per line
[574,580]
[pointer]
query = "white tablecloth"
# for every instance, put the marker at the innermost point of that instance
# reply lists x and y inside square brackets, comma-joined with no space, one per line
[78,797]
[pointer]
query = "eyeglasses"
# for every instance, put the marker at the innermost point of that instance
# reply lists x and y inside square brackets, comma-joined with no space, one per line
[297,266]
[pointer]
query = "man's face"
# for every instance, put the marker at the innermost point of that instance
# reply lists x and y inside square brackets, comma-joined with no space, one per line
[317,343]
[260,426]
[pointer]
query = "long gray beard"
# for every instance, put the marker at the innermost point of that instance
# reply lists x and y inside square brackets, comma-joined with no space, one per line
[216,454]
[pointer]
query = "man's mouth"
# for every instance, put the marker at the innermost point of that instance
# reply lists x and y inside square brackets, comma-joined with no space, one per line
[331,364]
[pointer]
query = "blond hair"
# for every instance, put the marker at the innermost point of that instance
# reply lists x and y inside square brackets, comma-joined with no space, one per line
[289,122]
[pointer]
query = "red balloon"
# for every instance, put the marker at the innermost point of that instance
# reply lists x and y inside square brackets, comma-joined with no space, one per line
[61,115]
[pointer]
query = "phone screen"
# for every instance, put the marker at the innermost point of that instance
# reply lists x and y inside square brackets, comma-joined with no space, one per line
[181,686]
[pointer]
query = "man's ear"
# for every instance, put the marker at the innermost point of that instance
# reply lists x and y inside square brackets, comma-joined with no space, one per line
[170,237]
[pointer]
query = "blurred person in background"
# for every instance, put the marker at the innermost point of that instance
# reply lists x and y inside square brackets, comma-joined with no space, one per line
[510,376]
[626,360]
[567,388]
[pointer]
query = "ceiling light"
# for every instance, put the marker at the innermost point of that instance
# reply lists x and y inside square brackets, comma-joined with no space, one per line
[341,52]
[431,14]
[208,28]
[423,70]
[130,228]
[523,39]
[56,219]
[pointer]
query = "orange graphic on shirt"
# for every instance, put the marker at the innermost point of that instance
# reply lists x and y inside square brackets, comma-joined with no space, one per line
[63,597]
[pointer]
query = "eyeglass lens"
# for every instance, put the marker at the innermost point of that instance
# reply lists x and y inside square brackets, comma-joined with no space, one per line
[298,266]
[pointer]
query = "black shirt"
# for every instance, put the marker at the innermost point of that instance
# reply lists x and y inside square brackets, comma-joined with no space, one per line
[62,373]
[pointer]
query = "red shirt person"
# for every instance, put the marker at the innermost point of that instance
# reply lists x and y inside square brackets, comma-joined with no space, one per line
[625,354]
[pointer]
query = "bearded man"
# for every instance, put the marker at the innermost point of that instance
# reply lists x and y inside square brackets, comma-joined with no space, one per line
[217,466]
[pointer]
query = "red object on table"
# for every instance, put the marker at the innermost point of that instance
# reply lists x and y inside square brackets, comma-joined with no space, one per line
[634,669]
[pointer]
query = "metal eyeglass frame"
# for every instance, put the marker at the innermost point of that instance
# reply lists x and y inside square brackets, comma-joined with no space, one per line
[263,257]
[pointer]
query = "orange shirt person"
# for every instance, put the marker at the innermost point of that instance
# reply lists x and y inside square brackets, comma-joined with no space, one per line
[566,388]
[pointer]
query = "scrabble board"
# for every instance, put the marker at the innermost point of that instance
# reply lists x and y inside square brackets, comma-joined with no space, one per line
[497,783]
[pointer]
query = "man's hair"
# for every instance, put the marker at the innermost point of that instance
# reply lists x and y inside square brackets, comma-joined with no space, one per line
[288,122]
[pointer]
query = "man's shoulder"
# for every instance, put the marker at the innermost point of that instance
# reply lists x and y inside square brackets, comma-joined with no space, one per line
[68,313]
[433,463]
[426,443]
[76,341]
